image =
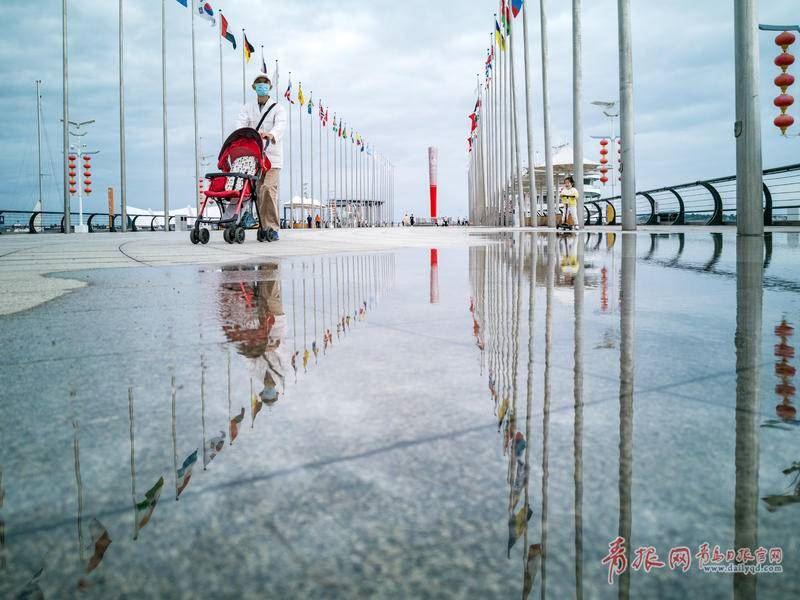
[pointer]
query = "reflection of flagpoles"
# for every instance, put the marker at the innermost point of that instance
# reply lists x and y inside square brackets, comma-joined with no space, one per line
[626,356]
[228,386]
[76,448]
[548,340]
[203,406]
[175,439]
[314,306]
[338,307]
[133,465]
[529,387]
[578,431]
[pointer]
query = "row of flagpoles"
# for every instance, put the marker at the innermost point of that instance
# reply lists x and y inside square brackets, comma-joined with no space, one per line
[362,185]
[498,194]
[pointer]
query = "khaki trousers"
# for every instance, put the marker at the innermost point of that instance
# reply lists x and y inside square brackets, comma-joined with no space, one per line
[268,190]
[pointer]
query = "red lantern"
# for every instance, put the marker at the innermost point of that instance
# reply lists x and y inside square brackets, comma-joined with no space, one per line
[604,142]
[603,151]
[783,122]
[604,161]
[783,81]
[604,170]
[604,180]
[87,181]
[784,40]
[87,190]
[72,181]
[784,60]
[72,190]
[783,102]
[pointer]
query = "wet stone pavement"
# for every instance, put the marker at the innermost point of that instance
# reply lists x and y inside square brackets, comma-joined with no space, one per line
[465,422]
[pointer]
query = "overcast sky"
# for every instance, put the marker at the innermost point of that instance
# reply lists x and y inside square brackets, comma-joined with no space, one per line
[402,73]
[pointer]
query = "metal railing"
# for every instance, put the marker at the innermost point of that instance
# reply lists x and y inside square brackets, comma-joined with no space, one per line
[710,202]
[28,221]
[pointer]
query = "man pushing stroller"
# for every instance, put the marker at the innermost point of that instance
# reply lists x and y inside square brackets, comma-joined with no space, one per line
[271,130]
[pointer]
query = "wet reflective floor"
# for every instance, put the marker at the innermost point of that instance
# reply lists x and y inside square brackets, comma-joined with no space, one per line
[601,416]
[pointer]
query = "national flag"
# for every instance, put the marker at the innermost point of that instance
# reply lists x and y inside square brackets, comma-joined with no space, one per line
[205,11]
[277,74]
[300,98]
[516,526]
[321,113]
[532,565]
[145,508]
[498,35]
[325,118]
[288,93]
[474,118]
[516,7]
[506,14]
[184,473]
[335,127]
[248,48]
[213,447]
[310,106]
[223,30]
[255,407]
[184,3]
[234,425]
[264,64]
[99,544]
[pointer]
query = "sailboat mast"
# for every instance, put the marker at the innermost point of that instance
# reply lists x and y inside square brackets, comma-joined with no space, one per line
[39,137]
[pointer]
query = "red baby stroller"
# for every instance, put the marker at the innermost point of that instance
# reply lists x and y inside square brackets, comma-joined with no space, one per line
[234,190]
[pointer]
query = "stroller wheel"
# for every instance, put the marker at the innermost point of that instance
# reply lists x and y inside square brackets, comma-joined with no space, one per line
[205,235]
[193,237]
[260,235]
[226,235]
[238,235]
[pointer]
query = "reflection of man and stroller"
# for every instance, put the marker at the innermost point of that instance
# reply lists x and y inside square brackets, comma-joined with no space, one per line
[271,130]
[253,318]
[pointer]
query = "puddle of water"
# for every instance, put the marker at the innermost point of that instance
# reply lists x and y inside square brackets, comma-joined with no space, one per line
[386,424]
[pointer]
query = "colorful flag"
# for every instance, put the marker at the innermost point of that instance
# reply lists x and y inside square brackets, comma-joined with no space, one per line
[205,11]
[498,35]
[145,508]
[300,98]
[506,16]
[213,447]
[100,543]
[234,425]
[516,7]
[474,118]
[516,526]
[184,473]
[325,118]
[264,64]
[335,127]
[321,113]
[310,106]
[223,29]
[288,93]
[255,407]
[185,3]
[248,48]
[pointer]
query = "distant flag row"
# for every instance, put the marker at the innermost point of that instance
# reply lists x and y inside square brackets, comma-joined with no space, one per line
[205,11]
[509,9]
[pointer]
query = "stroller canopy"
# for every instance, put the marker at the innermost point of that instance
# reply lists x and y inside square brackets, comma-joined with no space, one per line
[242,142]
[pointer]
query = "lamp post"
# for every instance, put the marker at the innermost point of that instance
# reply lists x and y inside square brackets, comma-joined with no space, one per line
[78,150]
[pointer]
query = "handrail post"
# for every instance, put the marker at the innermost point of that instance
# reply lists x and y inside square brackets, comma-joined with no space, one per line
[716,218]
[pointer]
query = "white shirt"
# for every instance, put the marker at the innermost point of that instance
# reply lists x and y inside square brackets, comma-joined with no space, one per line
[275,123]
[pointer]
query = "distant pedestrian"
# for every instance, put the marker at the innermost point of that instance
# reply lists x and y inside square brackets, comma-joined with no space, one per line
[308,220]
[319,222]
[569,197]
[411,219]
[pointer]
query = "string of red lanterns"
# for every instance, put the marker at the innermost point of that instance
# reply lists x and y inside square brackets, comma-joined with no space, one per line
[603,161]
[619,158]
[87,174]
[785,372]
[784,80]
[72,174]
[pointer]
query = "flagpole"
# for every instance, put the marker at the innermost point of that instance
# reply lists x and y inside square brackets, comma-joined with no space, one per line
[291,172]
[496,134]
[577,115]
[244,84]
[529,119]
[519,218]
[548,148]
[123,185]
[321,193]
[311,154]
[505,139]
[203,407]
[196,137]
[221,85]
[164,111]
[328,169]
[302,181]
[65,115]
